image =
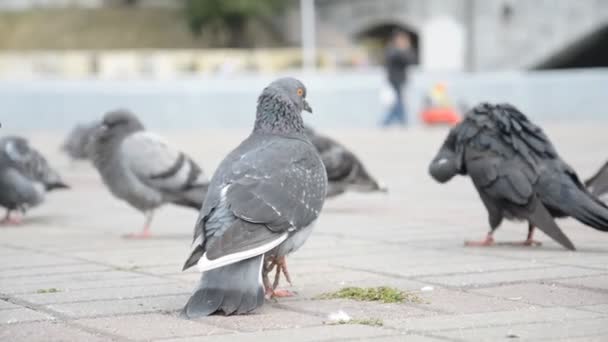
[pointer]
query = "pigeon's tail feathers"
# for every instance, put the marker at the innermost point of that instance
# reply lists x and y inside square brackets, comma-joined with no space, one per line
[233,289]
[542,219]
[589,210]
[598,183]
[56,185]
[192,197]
[206,264]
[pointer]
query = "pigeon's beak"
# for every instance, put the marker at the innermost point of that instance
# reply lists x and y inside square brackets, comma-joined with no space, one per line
[307,107]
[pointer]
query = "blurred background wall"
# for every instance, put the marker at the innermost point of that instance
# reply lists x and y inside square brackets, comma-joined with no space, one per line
[206,61]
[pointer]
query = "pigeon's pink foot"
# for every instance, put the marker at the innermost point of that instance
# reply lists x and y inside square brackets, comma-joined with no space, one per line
[278,293]
[11,221]
[283,293]
[488,241]
[138,236]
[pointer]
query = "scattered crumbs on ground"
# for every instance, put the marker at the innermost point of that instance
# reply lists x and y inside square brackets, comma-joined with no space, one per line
[374,322]
[51,290]
[372,294]
[131,268]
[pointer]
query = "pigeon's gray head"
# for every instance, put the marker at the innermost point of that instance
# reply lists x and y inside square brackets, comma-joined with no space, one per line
[280,106]
[449,160]
[117,125]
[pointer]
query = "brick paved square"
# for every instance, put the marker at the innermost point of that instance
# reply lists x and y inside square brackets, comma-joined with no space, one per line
[79,280]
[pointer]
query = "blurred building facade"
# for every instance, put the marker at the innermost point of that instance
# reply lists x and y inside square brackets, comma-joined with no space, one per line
[17,5]
[474,35]
[449,35]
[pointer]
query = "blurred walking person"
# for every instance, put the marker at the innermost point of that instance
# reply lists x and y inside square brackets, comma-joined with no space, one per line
[399,56]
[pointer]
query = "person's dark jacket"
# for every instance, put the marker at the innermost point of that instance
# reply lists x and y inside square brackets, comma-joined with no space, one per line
[397,61]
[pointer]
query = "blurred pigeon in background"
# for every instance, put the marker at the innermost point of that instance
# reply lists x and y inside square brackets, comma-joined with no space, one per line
[143,169]
[517,173]
[25,176]
[78,144]
[344,170]
[262,203]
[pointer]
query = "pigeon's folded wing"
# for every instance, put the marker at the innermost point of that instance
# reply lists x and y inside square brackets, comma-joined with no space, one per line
[265,201]
[29,162]
[158,164]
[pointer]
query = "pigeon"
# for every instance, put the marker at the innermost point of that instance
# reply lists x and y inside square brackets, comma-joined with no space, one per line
[262,203]
[25,177]
[143,169]
[344,170]
[517,173]
[598,184]
[78,143]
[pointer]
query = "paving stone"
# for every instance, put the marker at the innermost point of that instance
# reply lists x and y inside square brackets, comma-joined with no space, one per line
[566,330]
[35,283]
[601,308]
[459,302]
[356,309]
[110,293]
[151,326]
[62,286]
[125,306]
[597,282]
[318,333]
[18,315]
[4,305]
[265,318]
[52,270]
[498,277]
[546,294]
[424,266]
[486,319]
[47,332]
[407,337]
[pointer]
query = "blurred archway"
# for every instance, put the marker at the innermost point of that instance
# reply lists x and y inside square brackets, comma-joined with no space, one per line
[376,37]
[587,52]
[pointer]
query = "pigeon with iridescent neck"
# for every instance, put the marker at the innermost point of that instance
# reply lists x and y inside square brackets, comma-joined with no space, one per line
[261,206]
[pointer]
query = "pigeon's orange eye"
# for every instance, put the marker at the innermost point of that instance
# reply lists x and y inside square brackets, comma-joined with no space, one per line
[300,91]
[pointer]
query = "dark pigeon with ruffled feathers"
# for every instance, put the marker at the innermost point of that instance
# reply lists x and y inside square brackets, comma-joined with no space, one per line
[517,172]
[262,203]
[25,176]
[345,172]
[143,169]
[78,143]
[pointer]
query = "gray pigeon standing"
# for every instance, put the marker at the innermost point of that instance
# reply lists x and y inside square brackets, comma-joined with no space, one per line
[142,169]
[262,202]
[78,144]
[25,176]
[517,173]
[344,170]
